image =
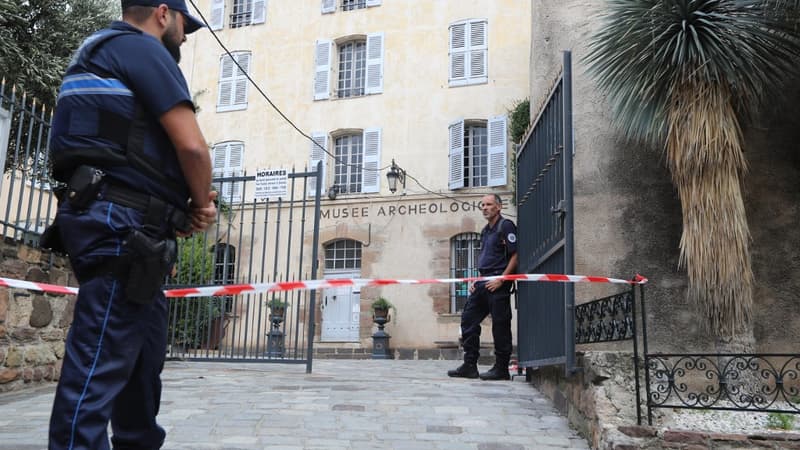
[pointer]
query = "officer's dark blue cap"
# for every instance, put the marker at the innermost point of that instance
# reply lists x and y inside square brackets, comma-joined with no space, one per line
[192,24]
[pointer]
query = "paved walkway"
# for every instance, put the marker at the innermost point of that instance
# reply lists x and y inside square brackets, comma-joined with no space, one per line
[342,404]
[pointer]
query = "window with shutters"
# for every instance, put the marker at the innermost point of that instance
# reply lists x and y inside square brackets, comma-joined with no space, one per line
[464,251]
[232,89]
[356,62]
[241,13]
[227,164]
[329,6]
[469,52]
[355,160]
[478,153]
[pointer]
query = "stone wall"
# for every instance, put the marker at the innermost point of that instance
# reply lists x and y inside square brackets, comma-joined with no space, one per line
[600,402]
[33,326]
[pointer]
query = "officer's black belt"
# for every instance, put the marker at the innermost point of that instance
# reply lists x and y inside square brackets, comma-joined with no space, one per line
[491,274]
[145,203]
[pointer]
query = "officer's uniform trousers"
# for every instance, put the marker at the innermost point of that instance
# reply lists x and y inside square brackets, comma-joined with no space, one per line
[115,350]
[482,302]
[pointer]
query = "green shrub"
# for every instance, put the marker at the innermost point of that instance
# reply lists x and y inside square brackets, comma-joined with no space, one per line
[781,421]
[192,317]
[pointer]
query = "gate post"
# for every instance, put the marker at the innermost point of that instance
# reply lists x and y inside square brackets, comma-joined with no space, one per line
[314,266]
[569,226]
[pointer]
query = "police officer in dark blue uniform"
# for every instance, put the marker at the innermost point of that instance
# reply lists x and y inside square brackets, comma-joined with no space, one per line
[498,257]
[126,142]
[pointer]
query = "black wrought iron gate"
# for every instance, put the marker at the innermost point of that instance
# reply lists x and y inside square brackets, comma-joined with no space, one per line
[545,333]
[254,241]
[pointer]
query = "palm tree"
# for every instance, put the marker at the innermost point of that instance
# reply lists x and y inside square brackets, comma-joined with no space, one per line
[684,75]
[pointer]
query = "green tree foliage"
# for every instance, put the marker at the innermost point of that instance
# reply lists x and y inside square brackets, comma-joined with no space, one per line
[519,117]
[39,37]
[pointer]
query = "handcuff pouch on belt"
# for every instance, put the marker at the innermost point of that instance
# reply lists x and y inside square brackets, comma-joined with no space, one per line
[83,186]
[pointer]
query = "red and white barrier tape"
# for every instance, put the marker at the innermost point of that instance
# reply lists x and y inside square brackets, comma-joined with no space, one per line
[235,289]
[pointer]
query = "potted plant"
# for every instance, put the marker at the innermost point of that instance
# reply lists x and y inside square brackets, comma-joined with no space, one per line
[277,307]
[380,309]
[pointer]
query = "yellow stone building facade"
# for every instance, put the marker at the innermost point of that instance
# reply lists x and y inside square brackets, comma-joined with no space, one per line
[424,83]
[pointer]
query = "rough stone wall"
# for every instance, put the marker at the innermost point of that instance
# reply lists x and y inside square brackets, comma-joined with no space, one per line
[628,215]
[772,202]
[33,326]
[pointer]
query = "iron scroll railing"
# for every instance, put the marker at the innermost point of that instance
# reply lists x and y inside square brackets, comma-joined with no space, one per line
[611,319]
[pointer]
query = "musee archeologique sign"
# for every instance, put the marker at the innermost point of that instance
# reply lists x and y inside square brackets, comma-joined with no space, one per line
[420,208]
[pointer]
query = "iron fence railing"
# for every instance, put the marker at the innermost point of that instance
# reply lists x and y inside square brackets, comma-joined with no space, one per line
[254,241]
[766,382]
[27,201]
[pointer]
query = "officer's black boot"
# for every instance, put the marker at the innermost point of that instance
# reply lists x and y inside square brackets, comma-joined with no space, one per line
[466,370]
[499,371]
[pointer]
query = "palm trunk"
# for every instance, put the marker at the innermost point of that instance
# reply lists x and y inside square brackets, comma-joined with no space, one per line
[705,158]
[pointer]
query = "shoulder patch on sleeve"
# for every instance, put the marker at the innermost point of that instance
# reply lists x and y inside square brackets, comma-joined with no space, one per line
[512,237]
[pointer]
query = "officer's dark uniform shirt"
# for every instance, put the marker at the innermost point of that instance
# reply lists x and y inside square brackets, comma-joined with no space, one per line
[498,243]
[131,64]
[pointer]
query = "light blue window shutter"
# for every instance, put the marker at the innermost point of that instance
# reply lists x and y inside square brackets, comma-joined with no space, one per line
[370,173]
[219,159]
[226,81]
[374,82]
[456,174]
[322,69]
[478,52]
[234,169]
[498,151]
[328,6]
[217,16]
[373,3]
[240,82]
[259,11]
[316,155]
[458,54]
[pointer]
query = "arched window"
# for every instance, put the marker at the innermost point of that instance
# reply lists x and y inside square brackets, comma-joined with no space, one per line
[464,251]
[343,254]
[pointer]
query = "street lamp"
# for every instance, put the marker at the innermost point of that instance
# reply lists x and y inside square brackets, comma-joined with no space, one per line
[395,173]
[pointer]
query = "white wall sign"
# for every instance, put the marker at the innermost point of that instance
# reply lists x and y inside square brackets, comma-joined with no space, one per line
[271,183]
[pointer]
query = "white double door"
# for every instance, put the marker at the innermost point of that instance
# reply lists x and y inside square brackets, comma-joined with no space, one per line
[341,311]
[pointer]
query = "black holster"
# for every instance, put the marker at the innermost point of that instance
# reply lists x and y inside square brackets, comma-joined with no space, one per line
[149,261]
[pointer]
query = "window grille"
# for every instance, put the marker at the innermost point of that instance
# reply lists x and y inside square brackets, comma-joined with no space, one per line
[349,151]
[343,254]
[352,64]
[464,251]
[475,156]
[242,13]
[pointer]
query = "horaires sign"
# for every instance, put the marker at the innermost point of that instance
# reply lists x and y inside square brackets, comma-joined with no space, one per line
[271,183]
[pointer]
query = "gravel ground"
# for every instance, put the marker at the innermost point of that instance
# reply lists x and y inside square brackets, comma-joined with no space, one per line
[724,421]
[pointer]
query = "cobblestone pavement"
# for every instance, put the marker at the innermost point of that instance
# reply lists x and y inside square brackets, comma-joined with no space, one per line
[342,404]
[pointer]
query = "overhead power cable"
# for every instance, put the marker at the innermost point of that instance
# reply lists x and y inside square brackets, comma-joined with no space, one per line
[271,103]
[289,121]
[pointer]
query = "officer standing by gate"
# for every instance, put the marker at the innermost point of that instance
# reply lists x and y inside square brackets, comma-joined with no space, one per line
[498,257]
[126,142]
